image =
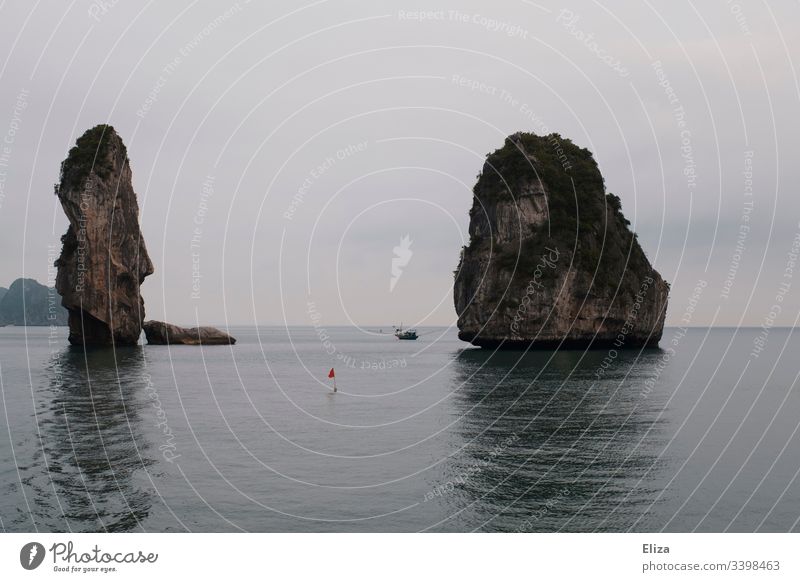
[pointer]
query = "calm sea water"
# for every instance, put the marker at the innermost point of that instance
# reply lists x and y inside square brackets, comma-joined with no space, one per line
[427,435]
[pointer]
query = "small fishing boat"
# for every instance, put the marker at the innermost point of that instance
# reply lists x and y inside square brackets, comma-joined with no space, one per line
[405,334]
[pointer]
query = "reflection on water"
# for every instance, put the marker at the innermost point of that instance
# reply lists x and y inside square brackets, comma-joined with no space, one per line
[548,447]
[83,474]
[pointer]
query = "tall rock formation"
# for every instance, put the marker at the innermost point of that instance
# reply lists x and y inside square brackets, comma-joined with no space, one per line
[551,261]
[103,259]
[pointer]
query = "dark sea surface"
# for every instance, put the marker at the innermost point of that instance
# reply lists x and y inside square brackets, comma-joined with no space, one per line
[428,435]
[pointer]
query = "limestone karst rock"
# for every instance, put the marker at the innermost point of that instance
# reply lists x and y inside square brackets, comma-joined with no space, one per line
[551,261]
[160,333]
[103,259]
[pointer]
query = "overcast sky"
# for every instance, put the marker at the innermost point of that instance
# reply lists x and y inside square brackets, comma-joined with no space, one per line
[281,152]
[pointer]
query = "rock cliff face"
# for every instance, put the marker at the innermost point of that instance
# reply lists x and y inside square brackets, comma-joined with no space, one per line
[552,264]
[160,333]
[103,259]
[28,302]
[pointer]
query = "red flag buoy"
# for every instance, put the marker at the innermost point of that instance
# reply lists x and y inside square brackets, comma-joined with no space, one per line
[332,374]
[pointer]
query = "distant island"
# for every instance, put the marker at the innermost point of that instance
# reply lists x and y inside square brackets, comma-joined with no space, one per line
[551,260]
[28,302]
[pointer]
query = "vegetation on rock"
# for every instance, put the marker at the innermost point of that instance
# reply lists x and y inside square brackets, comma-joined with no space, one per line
[581,216]
[90,153]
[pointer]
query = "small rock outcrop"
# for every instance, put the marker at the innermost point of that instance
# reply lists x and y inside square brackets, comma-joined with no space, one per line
[160,333]
[551,260]
[28,302]
[103,258]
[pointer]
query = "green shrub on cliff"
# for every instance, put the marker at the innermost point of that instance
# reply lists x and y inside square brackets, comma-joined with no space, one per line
[581,216]
[89,153]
